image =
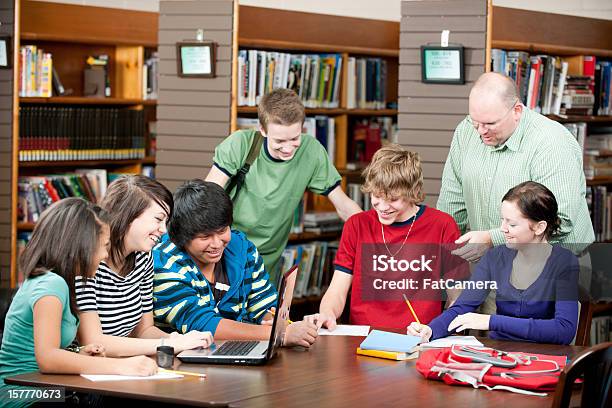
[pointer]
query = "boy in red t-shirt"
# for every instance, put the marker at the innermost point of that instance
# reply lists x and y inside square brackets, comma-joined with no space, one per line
[397,228]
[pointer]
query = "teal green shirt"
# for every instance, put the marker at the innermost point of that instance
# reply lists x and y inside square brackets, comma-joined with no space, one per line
[477,176]
[17,352]
[273,188]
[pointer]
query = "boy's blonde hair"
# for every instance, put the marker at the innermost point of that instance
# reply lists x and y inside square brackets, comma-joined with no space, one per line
[393,173]
[282,107]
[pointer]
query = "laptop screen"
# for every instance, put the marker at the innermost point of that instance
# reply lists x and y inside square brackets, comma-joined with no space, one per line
[285,296]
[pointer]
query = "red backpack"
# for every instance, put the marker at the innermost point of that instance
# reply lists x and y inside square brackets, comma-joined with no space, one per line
[482,367]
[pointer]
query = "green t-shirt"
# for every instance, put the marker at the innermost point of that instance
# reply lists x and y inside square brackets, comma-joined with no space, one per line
[17,352]
[273,188]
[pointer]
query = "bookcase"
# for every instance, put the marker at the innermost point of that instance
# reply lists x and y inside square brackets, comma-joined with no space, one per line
[59,134]
[571,37]
[292,32]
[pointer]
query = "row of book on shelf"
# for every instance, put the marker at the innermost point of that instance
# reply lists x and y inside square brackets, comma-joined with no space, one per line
[367,135]
[316,78]
[51,133]
[576,85]
[315,260]
[599,201]
[36,193]
[38,77]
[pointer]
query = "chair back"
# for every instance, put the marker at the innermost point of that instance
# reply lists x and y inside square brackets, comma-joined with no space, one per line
[594,366]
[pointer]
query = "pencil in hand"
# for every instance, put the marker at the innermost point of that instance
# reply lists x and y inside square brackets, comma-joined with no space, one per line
[416,318]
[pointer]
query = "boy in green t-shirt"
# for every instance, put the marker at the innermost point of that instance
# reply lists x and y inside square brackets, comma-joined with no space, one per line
[288,164]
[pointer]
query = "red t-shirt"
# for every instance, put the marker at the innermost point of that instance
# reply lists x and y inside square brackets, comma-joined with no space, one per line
[362,233]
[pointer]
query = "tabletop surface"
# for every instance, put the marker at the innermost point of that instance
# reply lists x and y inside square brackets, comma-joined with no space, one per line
[329,374]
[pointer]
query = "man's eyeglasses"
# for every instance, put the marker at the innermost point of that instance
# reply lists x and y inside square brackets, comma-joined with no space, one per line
[491,125]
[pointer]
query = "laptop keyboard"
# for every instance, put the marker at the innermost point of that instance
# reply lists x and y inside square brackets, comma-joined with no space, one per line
[236,348]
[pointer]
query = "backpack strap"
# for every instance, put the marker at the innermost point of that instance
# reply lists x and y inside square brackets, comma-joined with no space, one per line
[238,180]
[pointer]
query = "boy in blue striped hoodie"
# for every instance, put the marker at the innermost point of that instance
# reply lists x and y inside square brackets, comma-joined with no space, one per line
[211,278]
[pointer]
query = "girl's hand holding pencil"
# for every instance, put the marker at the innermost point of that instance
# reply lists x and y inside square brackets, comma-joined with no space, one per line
[421,330]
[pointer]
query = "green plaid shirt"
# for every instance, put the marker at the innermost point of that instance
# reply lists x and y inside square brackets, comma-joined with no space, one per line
[477,176]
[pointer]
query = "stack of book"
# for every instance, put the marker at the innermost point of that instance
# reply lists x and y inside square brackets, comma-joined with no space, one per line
[367,83]
[578,98]
[150,77]
[355,194]
[36,193]
[314,77]
[598,153]
[35,72]
[599,201]
[579,130]
[51,133]
[367,136]
[392,346]
[315,260]
[578,85]
[322,222]
[324,129]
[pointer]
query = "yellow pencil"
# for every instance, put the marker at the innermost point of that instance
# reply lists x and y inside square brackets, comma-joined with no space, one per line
[274,314]
[163,370]
[411,309]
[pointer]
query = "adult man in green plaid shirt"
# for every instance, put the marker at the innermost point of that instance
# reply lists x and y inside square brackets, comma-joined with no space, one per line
[500,144]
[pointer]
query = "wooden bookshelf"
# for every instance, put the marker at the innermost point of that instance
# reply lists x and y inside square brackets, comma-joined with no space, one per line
[71,33]
[557,35]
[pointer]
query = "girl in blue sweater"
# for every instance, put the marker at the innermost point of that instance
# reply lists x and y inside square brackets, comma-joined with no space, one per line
[537,283]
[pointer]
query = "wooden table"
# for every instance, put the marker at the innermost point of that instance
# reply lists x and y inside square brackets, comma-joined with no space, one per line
[330,374]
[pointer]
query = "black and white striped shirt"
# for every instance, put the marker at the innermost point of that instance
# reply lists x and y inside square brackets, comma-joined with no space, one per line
[119,301]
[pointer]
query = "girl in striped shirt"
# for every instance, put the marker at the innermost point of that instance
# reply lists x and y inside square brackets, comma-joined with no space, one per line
[116,306]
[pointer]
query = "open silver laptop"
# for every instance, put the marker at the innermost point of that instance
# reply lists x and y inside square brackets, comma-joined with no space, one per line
[245,351]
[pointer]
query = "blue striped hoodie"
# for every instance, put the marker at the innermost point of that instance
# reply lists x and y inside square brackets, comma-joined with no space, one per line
[182,297]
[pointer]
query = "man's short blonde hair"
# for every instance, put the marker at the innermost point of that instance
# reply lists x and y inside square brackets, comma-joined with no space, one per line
[395,173]
[282,107]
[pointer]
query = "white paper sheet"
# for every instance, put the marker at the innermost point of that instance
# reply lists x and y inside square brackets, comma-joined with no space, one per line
[158,376]
[346,330]
[452,340]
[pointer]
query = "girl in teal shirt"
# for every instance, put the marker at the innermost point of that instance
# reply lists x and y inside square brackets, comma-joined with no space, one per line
[69,240]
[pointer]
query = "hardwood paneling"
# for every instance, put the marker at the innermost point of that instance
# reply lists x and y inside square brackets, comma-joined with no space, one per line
[418,88]
[196,98]
[192,128]
[435,105]
[444,8]
[429,113]
[428,121]
[171,37]
[193,114]
[425,24]
[468,40]
[196,144]
[190,7]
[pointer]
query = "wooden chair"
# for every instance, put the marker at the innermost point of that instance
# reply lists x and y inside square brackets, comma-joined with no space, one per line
[595,367]
[583,332]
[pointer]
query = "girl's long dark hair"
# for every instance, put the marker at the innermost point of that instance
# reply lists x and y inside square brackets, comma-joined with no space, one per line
[125,200]
[64,241]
